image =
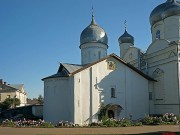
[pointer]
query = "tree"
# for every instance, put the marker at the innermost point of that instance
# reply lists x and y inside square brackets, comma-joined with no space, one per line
[9,103]
[40,99]
[16,102]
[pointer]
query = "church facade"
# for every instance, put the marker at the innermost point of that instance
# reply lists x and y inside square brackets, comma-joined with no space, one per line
[134,84]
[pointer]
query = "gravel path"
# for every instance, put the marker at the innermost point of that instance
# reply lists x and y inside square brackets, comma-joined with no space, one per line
[68,131]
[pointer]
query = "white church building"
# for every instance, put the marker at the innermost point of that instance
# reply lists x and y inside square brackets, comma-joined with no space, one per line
[133,84]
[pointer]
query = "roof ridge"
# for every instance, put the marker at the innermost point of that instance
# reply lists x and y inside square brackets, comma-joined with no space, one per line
[72,64]
[121,60]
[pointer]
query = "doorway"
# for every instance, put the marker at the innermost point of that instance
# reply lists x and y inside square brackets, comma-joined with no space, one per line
[110,114]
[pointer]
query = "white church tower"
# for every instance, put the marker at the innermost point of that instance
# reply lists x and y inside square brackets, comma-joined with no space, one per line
[162,57]
[93,43]
[165,22]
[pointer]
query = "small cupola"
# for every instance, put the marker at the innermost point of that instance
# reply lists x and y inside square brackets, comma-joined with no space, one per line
[126,38]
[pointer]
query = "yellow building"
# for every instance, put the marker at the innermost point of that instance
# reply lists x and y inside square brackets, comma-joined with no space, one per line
[13,91]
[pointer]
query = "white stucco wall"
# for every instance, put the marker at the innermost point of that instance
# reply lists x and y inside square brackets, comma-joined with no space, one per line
[162,66]
[22,97]
[157,45]
[123,48]
[58,99]
[131,54]
[169,28]
[91,52]
[137,95]
[93,87]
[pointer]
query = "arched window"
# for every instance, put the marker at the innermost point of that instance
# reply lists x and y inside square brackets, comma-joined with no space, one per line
[158,34]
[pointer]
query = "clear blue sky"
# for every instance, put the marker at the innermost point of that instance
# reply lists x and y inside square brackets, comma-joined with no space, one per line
[35,35]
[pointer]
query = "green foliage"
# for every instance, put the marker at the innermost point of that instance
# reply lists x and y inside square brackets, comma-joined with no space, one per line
[40,99]
[125,123]
[47,125]
[178,118]
[9,102]
[116,123]
[109,122]
[165,119]
[102,112]
[8,123]
[157,121]
[16,101]
[3,107]
[6,104]
[147,120]
[138,123]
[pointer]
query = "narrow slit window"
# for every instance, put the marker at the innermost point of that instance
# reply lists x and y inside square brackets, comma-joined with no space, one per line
[113,93]
[158,34]
[99,54]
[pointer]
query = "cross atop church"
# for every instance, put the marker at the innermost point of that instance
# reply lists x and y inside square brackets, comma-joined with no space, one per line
[92,10]
[125,24]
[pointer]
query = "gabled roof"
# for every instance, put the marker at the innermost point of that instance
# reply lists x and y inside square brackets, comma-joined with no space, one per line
[120,60]
[71,67]
[12,88]
[17,86]
[66,70]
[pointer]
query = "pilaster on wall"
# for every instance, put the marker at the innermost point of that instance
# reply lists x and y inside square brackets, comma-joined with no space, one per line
[178,76]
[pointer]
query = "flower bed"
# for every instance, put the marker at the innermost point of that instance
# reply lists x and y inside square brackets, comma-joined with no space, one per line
[26,123]
[167,118]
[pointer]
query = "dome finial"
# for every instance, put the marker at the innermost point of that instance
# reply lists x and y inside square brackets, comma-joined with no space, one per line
[93,20]
[126,37]
[92,11]
[125,25]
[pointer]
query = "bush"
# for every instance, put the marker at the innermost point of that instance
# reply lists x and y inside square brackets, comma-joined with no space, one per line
[178,118]
[8,123]
[168,118]
[157,121]
[147,120]
[125,123]
[116,123]
[102,112]
[66,124]
[47,125]
[138,123]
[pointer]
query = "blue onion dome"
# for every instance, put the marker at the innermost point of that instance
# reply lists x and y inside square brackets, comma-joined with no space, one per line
[164,10]
[126,38]
[93,34]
